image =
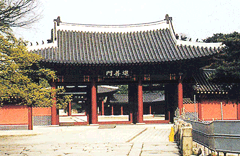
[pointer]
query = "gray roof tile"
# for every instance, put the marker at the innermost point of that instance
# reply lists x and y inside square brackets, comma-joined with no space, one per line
[134,47]
[204,86]
[147,98]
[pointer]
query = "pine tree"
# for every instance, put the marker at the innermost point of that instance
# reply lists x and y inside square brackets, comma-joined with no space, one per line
[227,62]
[22,80]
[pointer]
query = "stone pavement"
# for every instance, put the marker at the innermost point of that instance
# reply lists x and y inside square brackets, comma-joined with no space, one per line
[123,140]
[154,142]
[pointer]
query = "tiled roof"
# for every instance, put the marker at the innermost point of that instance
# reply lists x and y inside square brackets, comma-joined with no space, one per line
[119,98]
[147,98]
[187,101]
[125,44]
[101,89]
[154,97]
[204,86]
[106,89]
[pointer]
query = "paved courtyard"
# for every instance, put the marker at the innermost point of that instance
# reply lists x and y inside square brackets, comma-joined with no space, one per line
[121,140]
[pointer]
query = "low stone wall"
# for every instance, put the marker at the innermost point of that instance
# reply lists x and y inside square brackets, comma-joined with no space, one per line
[41,120]
[13,127]
[183,137]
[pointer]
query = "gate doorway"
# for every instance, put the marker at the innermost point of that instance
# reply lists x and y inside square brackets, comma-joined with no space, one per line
[77,111]
[117,103]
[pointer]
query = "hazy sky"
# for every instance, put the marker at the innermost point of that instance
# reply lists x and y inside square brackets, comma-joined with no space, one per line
[195,18]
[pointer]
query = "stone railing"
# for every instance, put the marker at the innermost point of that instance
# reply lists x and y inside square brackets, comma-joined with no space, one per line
[183,137]
[221,137]
[214,138]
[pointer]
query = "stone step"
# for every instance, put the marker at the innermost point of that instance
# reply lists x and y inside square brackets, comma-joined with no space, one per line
[66,124]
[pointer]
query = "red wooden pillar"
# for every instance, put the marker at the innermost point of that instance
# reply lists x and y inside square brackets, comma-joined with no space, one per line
[121,110]
[54,108]
[30,122]
[70,108]
[140,102]
[180,95]
[102,107]
[150,109]
[112,110]
[238,111]
[199,111]
[169,116]
[131,117]
[57,117]
[94,103]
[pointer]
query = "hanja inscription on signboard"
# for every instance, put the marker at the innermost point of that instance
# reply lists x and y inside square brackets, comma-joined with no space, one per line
[117,73]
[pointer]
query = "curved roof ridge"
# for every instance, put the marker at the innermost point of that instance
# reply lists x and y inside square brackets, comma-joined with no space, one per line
[114,28]
[113,25]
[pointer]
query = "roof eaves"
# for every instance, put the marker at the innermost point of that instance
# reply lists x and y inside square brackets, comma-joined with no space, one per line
[200,44]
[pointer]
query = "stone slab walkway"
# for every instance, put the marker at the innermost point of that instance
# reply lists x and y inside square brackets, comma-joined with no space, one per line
[123,140]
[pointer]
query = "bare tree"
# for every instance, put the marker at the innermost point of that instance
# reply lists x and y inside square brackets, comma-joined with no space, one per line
[17,13]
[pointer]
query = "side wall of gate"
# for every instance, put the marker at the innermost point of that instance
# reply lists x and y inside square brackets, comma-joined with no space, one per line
[16,117]
[211,110]
[41,116]
[13,117]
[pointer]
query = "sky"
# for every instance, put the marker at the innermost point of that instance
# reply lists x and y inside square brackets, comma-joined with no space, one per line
[194,18]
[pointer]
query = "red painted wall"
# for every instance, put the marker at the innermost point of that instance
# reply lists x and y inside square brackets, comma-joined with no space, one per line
[190,107]
[211,110]
[18,115]
[14,115]
[37,111]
